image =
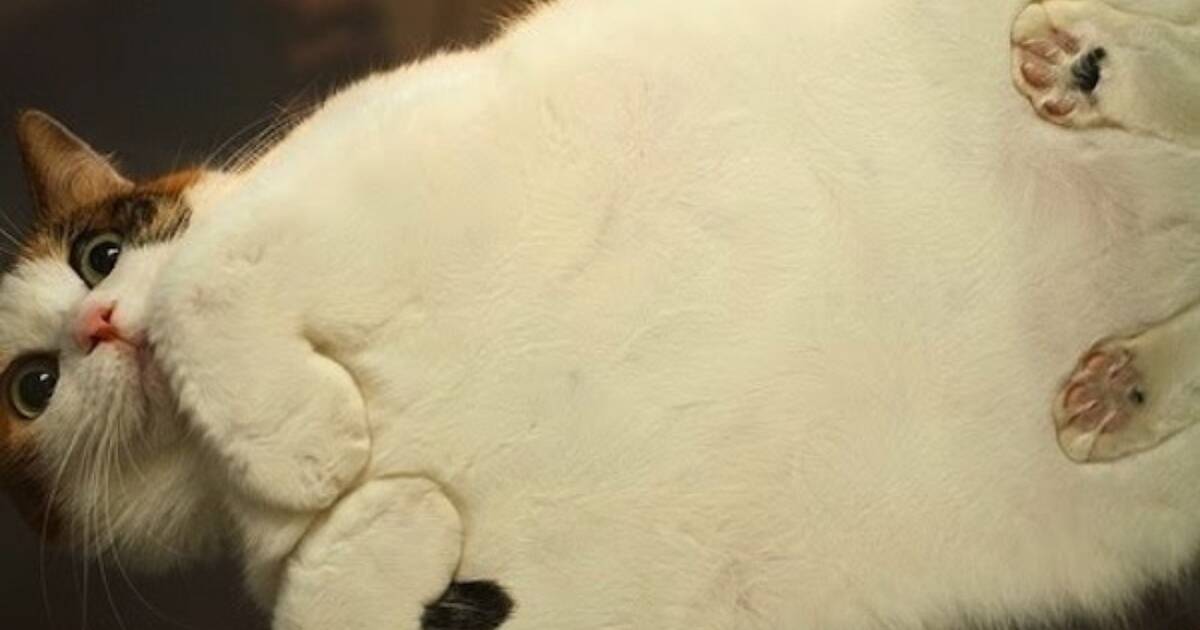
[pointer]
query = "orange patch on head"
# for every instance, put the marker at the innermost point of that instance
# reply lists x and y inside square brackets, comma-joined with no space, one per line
[41,245]
[75,190]
[172,184]
[63,172]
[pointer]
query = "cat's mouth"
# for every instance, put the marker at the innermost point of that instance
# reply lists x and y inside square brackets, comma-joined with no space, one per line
[132,351]
[135,362]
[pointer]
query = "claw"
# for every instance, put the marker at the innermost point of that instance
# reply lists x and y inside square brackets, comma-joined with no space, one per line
[1094,361]
[1077,396]
[1083,408]
[1101,396]
[1122,360]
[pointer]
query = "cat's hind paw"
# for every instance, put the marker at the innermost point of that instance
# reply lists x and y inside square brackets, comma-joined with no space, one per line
[1130,394]
[1102,396]
[1058,70]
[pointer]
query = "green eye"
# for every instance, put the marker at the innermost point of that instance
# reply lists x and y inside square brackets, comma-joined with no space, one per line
[31,385]
[94,255]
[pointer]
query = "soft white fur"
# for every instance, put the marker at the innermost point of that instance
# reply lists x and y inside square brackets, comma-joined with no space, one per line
[1149,82]
[725,314]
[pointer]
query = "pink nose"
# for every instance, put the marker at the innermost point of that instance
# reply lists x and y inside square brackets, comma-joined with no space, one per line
[95,327]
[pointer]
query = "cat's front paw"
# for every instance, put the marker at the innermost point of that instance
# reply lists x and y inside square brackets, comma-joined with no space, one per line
[378,559]
[286,420]
[1058,68]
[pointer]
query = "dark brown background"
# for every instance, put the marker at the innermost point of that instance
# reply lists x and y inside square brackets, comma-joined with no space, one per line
[167,83]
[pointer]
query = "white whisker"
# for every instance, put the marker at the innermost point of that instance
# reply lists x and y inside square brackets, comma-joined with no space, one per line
[262,141]
[12,225]
[54,487]
[118,469]
[105,462]
[10,236]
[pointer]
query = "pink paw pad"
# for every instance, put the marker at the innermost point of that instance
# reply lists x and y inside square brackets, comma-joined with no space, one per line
[1045,67]
[1103,393]
[1056,70]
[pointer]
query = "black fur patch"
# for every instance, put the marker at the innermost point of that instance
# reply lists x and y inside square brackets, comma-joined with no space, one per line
[1086,71]
[468,606]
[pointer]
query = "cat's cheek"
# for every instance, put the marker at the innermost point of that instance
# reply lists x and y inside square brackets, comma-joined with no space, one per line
[155,385]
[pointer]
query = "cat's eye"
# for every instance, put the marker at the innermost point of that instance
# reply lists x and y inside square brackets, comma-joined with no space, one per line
[94,255]
[31,385]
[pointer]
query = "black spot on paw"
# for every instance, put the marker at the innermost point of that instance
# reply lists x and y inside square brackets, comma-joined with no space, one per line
[480,605]
[1086,71]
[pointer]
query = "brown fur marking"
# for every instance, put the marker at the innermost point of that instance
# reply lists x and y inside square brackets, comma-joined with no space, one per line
[76,191]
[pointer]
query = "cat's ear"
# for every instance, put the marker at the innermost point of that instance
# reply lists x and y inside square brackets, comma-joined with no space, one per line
[64,173]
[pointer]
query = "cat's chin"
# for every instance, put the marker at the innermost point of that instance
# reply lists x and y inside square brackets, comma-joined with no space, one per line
[136,364]
[159,517]
[138,355]
[121,355]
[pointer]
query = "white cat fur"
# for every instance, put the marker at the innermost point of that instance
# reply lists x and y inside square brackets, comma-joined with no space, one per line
[709,315]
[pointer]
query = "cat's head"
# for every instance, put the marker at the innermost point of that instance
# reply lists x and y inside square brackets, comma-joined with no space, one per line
[92,448]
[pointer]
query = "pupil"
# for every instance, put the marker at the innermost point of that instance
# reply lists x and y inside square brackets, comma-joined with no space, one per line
[103,257]
[36,388]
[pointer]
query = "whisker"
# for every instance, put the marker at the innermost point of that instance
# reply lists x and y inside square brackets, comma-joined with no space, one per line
[285,119]
[105,465]
[54,486]
[120,439]
[233,138]
[12,239]
[257,146]
[9,235]
[16,229]
[91,538]
[271,124]
[85,559]
[125,442]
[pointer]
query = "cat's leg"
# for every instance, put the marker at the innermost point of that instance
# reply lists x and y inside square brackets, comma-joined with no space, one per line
[387,550]
[1084,63]
[286,420]
[1130,394]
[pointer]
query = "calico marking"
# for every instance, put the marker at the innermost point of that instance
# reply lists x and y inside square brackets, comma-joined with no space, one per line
[1086,71]
[76,192]
[482,605]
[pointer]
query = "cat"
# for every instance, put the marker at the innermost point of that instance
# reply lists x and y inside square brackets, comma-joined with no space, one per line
[1149,82]
[749,316]
[87,214]
[1128,394]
